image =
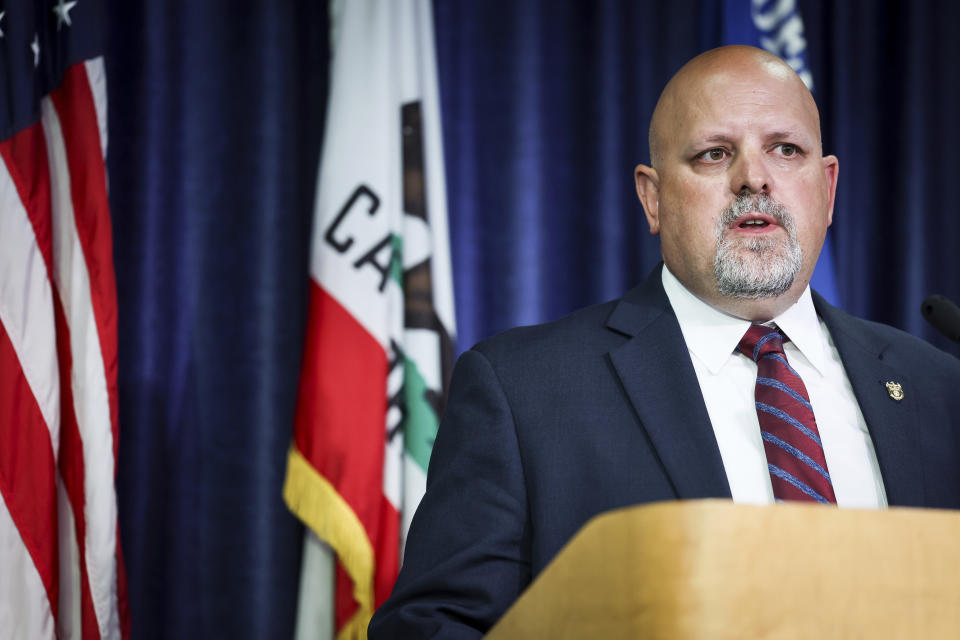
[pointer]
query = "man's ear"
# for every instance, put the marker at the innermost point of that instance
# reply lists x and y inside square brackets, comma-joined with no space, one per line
[648,190]
[831,169]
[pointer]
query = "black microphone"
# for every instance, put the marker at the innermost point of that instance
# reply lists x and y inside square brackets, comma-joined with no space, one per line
[943,315]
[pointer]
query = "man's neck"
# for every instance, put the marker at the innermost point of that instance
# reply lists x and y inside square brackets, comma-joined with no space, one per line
[755,310]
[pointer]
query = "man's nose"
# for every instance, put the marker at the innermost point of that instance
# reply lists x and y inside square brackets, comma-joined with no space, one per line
[750,175]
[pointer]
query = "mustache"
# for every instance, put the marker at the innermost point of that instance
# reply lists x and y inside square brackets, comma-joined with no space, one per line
[761,203]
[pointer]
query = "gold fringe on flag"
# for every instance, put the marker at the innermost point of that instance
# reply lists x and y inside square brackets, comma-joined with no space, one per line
[316,502]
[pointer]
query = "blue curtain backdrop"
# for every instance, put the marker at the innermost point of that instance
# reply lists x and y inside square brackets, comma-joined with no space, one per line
[216,117]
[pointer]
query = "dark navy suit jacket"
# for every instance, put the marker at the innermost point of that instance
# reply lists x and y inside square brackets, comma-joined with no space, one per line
[550,425]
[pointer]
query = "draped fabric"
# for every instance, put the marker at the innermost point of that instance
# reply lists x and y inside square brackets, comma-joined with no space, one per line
[890,106]
[215,113]
[215,116]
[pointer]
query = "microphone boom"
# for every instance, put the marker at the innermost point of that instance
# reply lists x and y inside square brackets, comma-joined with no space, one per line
[943,314]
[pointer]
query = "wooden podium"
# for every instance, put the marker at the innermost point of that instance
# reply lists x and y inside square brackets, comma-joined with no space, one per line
[712,569]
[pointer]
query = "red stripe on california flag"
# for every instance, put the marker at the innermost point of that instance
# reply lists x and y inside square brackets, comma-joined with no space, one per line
[88,186]
[386,551]
[340,425]
[27,481]
[341,412]
[26,157]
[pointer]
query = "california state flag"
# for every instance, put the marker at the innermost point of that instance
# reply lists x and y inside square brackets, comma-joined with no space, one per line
[378,349]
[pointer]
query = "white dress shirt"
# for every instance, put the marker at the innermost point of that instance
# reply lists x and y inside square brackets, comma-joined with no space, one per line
[727,381]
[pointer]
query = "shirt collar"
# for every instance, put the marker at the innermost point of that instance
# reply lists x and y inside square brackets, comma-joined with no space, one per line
[712,335]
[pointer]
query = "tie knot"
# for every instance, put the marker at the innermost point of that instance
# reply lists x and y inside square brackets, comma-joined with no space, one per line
[760,340]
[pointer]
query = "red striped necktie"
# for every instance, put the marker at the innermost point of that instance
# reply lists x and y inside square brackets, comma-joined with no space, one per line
[798,469]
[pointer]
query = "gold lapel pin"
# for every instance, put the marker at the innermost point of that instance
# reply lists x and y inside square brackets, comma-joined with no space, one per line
[895,390]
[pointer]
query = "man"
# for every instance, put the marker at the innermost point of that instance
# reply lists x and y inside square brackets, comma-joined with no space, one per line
[693,384]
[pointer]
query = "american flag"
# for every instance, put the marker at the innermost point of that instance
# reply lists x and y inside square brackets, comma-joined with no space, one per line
[62,574]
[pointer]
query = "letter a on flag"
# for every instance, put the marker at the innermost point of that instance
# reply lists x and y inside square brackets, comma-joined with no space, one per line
[378,348]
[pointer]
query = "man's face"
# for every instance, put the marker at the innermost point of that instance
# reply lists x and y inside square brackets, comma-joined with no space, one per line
[738,164]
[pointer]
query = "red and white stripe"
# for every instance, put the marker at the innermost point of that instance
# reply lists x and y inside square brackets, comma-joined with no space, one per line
[58,373]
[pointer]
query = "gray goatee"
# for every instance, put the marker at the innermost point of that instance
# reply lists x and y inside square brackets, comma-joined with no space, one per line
[760,267]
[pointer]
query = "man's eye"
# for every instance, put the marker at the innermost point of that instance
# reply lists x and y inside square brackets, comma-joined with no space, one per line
[788,150]
[714,155]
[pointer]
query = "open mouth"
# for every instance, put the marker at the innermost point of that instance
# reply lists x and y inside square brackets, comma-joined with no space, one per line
[754,222]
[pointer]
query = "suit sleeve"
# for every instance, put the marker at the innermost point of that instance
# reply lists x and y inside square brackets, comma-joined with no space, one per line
[468,552]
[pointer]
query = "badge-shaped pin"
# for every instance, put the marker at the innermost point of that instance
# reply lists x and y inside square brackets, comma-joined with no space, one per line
[895,390]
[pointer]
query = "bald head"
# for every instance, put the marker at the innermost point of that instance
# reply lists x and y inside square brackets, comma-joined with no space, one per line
[715,68]
[737,133]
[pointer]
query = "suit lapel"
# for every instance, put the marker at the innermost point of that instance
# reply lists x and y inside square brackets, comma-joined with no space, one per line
[655,370]
[892,424]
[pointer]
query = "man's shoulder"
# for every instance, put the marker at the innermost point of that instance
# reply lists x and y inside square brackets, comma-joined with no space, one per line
[596,328]
[887,341]
[583,329]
